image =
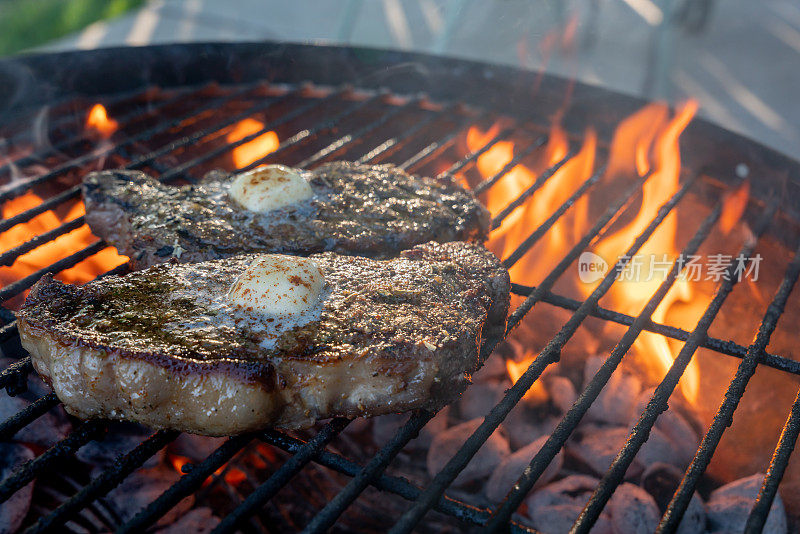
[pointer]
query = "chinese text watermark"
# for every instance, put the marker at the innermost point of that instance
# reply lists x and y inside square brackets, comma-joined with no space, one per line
[693,268]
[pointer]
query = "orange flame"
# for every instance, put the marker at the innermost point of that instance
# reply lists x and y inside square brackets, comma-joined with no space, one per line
[733,207]
[658,253]
[99,121]
[518,225]
[244,155]
[647,141]
[536,393]
[54,250]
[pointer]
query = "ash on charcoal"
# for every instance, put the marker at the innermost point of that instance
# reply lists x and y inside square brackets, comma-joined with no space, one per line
[596,447]
[197,521]
[554,508]
[45,431]
[617,400]
[729,506]
[632,510]
[121,438]
[674,426]
[562,392]
[512,467]
[143,487]
[661,480]
[447,443]
[524,425]
[14,510]
[480,398]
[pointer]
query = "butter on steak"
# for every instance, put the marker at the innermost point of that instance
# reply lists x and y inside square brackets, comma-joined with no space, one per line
[366,210]
[169,347]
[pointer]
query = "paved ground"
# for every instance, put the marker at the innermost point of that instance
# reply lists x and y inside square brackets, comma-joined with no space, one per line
[743,66]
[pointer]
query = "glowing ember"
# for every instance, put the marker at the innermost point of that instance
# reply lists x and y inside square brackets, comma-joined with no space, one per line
[178,462]
[235,476]
[99,121]
[54,250]
[254,150]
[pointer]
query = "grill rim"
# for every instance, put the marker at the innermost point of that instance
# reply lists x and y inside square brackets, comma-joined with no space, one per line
[88,431]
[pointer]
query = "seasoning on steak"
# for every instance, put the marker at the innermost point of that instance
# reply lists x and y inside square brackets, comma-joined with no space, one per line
[165,347]
[369,210]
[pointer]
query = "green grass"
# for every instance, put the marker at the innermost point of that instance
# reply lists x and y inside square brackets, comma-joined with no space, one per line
[28,23]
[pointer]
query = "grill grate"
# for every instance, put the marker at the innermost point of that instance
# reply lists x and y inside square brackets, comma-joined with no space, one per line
[322,123]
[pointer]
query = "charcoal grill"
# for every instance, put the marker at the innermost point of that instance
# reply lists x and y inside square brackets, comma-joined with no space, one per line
[373,106]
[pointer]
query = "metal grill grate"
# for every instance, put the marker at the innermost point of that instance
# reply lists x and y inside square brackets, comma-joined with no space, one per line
[179,134]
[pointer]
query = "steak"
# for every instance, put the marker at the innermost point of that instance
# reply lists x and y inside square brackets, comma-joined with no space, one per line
[369,210]
[165,346]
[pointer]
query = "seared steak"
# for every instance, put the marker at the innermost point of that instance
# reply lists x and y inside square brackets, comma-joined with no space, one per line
[370,210]
[167,347]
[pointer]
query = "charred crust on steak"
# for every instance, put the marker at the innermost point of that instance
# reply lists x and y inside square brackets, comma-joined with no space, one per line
[369,210]
[426,311]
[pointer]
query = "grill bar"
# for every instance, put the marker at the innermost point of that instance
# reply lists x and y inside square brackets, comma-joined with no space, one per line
[549,355]
[325,518]
[107,481]
[777,468]
[21,285]
[355,136]
[540,181]
[27,471]
[126,120]
[519,157]
[440,145]
[412,132]
[316,130]
[658,402]
[141,136]
[572,418]
[724,415]
[729,348]
[15,423]
[278,479]
[187,484]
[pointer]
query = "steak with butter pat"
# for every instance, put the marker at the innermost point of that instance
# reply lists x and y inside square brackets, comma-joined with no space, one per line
[236,344]
[350,208]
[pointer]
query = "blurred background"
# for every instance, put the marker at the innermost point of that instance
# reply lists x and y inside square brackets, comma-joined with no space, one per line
[739,58]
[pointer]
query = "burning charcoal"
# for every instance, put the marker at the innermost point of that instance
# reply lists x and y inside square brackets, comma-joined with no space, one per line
[14,510]
[617,401]
[45,431]
[196,448]
[120,439]
[661,480]
[674,426]
[512,467]
[197,521]
[141,488]
[486,460]
[554,508]
[562,392]
[479,399]
[729,506]
[632,510]
[597,446]
[523,425]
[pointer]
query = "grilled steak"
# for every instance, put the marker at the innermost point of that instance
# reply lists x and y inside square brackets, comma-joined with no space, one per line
[166,347]
[370,210]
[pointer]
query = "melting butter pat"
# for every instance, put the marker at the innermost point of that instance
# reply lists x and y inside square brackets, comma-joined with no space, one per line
[268,188]
[278,285]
